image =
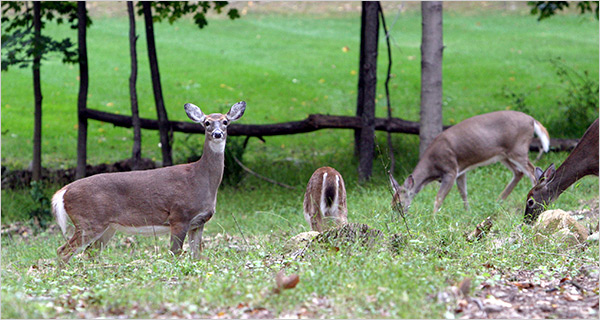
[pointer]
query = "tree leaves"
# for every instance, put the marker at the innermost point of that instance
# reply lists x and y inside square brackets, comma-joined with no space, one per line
[173,10]
[19,45]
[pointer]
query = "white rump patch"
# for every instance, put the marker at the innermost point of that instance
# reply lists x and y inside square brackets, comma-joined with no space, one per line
[323,203]
[143,230]
[58,207]
[543,137]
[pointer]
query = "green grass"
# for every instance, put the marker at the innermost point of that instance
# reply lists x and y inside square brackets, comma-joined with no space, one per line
[256,59]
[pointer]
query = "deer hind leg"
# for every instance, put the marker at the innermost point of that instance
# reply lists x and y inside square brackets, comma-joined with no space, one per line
[195,233]
[99,245]
[178,232]
[461,184]
[517,171]
[447,182]
[80,240]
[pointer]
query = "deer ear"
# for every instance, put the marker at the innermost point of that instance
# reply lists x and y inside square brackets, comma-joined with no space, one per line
[236,111]
[409,183]
[194,113]
[538,173]
[549,173]
[395,185]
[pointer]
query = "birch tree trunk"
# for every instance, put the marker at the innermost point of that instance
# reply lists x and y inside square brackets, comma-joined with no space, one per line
[432,47]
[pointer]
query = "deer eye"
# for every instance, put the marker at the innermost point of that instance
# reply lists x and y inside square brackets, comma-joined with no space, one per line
[207,123]
[530,202]
[225,122]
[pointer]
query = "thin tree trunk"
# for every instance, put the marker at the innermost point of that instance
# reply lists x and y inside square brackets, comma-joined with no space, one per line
[432,47]
[369,71]
[83,91]
[135,117]
[387,91]
[37,93]
[360,98]
[166,133]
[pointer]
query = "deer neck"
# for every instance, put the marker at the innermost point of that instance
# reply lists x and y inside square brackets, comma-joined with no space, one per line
[212,162]
[422,175]
[565,176]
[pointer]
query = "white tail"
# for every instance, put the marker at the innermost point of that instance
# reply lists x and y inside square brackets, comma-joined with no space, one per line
[502,136]
[58,207]
[325,199]
[582,161]
[177,199]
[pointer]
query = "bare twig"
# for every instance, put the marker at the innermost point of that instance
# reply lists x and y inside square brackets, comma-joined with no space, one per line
[260,176]
[240,230]
[387,90]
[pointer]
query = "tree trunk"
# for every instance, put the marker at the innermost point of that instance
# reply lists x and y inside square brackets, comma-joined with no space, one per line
[432,47]
[368,71]
[83,91]
[135,116]
[360,98]
[37,93]
[166,133]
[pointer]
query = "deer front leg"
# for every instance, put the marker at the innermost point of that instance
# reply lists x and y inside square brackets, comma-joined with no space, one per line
[461,184]
[447,182]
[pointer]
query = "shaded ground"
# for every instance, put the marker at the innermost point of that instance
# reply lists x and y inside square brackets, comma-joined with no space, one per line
[22,178]
[528,294]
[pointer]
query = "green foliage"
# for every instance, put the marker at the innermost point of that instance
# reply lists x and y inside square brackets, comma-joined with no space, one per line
[19,45]
[41,214]
[576,96]
[547,9]
[233,173]
[173,10]
[579,103]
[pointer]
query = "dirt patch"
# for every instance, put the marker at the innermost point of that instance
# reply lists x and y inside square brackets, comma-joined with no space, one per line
[524,295]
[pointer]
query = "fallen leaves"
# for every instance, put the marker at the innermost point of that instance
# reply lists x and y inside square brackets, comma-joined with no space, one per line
[283,282]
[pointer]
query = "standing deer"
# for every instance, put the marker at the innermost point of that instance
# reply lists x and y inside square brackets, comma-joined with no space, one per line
[177,199]
[502,136]
[582,161]
[325,199]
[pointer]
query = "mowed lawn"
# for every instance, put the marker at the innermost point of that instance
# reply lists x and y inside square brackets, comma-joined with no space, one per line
[286,66]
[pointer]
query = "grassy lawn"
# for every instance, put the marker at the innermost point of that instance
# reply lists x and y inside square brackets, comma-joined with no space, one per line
[286,67]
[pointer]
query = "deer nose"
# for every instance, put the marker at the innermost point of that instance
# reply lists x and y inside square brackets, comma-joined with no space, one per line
[217,135]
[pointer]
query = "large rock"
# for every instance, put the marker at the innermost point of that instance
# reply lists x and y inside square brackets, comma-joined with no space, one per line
[301,240]
[559,226]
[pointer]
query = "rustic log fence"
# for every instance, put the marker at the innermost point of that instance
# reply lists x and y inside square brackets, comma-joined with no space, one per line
[312,123]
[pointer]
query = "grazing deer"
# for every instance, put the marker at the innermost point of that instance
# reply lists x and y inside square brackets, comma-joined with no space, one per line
[502,136]
[325,199]
[177,199]
[582,161]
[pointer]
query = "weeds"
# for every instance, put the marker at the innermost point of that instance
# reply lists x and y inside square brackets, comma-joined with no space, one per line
[41,214]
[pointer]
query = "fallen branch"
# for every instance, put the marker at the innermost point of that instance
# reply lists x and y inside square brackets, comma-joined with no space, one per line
[260,176]
[312,123]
